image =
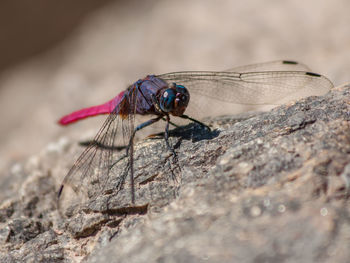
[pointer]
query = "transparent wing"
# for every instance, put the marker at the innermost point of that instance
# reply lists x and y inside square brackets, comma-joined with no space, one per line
[278,65]
[251,88]
[91,173]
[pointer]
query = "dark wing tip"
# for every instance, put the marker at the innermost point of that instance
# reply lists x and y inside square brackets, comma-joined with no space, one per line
[289,62]
[313,74]
[60,191]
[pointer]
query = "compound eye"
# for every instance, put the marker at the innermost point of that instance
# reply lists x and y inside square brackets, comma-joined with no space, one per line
[167,100]
[183,94]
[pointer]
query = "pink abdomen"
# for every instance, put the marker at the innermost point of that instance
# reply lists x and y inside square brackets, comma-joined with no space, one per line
[105,108]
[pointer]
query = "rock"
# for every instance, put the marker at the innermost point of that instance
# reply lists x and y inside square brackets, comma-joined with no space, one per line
[262,187]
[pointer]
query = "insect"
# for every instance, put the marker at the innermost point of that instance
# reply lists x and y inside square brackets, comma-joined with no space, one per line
[170,95]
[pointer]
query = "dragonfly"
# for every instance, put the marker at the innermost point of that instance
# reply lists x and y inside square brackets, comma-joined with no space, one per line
[168,95]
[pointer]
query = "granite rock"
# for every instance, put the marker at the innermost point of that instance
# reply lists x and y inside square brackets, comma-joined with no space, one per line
[260,187]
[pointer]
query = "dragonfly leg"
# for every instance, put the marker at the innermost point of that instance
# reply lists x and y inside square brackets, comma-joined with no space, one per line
[131,148]
[196,121]
[144,124]
[139,127]
[117,161]
[162,133]
[175,125]
[166,136]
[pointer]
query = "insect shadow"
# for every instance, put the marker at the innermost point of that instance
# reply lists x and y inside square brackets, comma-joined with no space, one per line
[191,131]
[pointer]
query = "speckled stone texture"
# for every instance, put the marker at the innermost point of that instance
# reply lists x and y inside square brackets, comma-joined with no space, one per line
[261,187]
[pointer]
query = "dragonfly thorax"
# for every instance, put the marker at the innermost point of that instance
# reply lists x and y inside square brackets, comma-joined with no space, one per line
[174,99]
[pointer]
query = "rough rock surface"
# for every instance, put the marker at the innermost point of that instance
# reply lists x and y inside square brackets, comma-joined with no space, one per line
[264,187]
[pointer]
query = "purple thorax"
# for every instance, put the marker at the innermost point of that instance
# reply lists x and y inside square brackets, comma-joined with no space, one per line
[148,89]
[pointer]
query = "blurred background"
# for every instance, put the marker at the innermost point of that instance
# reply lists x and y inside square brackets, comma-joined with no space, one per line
[59,56]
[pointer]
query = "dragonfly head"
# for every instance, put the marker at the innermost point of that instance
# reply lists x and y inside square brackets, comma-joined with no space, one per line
[174,99]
